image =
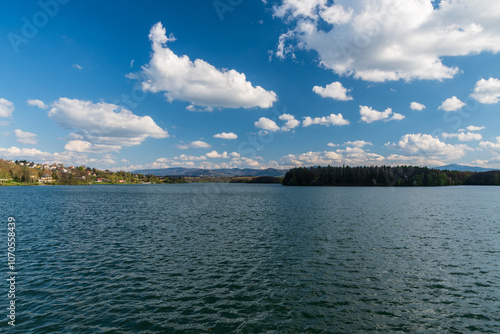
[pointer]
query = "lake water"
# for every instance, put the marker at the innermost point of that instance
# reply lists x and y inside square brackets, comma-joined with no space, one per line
[248,258]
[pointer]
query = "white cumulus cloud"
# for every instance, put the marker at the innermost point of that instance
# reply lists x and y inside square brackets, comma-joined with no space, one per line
[335,90]
[417,106]
[184,157]
[25,137]
[291,122]
[463,136]
[429,146]
[490,145]
[267,124]
[451,104]
[194,144]
[312,159]
[6,108]
[226,135]
[380,40]
[37,103]
[370,115]
[103,123]
[475,128]
[199,144]
[332,119]
[78,145]
[197,82]
[358,143]
[214,154]
[487,91]
[24,153]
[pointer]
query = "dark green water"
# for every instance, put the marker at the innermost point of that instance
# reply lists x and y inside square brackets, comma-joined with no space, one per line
[236,258]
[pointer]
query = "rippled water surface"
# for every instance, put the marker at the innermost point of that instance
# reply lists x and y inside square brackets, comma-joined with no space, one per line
[235,258]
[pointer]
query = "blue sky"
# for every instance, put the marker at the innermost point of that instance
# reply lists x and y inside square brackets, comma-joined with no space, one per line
[238,83]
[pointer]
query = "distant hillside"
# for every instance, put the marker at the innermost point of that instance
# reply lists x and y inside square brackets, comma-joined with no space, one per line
[195,172]
[463,168]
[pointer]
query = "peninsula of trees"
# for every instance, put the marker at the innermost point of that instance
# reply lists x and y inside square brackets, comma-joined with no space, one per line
[386,176]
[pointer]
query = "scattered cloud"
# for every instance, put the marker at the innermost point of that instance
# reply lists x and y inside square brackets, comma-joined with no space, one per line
[214,154]
[25,137]
[199,144]
[332,144]
[77,66]
[479,162]
[370,115]
[78,145]
[197,109]
[335,90]
[283,49]
[429,146]
[6,108]
[354,156]
[416,106]
[451,104]
[475,128]
[291,122]
[267,124]
[312,159]
[37,103]
[197,82]
[24,153]
[487,91]
[358,143]
[491,146]
[184,157]
[68,158]
[332,119]
[194,144]
[381,40]
[103,124]
[226,135]
[463,136]
[414,160]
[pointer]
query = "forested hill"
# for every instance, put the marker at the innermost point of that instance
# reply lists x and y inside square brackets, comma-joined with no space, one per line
[386,176]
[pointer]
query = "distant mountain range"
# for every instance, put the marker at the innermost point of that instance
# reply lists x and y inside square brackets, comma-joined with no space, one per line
[194,172]
[230,172]
[463,168]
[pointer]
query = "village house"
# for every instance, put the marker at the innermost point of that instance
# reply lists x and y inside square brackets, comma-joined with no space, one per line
[46,178]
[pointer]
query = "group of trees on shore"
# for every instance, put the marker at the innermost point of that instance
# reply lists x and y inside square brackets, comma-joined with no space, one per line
[19,173]
[386,176]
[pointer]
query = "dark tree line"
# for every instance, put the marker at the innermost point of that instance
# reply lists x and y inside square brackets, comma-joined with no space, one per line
[256,179]
[385,176]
